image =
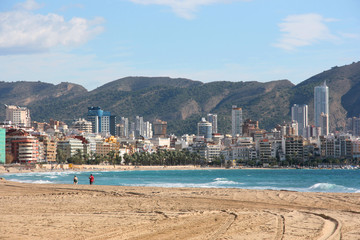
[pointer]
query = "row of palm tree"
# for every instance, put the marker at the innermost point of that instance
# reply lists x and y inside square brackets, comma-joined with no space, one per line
[163,157]
[160,157]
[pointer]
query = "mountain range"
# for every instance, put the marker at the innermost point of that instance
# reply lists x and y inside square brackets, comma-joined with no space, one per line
[182,102]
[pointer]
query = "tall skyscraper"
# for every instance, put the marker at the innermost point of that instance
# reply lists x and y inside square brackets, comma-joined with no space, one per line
[212,118]
[102,121]
[236,121]
[299,113]
[18,115]
[123,127]
[205,129]
[353,125]
[139,126]
[147,130]
[321,103]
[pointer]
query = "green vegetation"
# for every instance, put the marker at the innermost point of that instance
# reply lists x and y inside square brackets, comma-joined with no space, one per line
[182,102]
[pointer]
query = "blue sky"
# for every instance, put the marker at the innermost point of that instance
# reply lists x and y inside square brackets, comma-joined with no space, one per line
[92,42]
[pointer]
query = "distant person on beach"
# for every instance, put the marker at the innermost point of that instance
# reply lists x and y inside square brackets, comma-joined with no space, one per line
[75,180]
[91,178]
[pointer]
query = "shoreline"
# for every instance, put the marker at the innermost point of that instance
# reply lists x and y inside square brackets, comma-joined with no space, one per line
[66,211]
[88,168]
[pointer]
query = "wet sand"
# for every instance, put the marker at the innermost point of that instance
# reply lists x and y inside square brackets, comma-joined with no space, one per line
[34,211]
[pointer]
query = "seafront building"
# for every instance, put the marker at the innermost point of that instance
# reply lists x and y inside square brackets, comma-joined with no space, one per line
[205,129]
[160,128]
[324,124]
[123,128]
[212,118]
[82,125]
[353,126]
[19,116]
[299,113]
[102,121]
[236,121]
[70,147]
[321,103]
[21,147]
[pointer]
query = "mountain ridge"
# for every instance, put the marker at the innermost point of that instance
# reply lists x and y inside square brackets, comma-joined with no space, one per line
[182,102]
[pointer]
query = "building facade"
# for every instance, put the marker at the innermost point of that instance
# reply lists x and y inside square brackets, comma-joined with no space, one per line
[212,118]
[160,128]
[101,121]
[82,125]
[236,121]
[299,113]
[21,147]
[324,124]
[205,129]
[19,116]
[321,103]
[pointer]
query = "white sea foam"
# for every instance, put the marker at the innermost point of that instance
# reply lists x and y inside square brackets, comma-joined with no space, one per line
[224,183]
[330,187]
[220,179]
[31,181]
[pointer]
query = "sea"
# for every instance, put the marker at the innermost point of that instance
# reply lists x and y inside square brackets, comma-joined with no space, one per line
[301,180]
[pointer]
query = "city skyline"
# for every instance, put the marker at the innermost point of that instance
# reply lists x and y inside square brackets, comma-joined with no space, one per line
[92,43]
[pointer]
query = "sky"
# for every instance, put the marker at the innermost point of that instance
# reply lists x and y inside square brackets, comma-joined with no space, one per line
[91,42]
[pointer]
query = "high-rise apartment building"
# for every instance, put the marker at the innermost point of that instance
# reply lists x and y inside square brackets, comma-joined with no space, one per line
[139,126]
[212,118]
[82,125]
[321,103]
[236,121]
[299,113]
[22,147]
[147,130]
[324,124]
[205,129]
[353,125]
[249,127]
[159,128]
[123,127]
[102,121]
[18,115]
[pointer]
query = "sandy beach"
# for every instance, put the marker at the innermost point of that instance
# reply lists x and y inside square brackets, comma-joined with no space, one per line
[35,211]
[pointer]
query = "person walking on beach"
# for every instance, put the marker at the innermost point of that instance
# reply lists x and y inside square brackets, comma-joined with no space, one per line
[92,179]
[75,180]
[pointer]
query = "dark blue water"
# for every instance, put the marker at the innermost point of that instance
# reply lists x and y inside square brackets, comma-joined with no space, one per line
[304,180]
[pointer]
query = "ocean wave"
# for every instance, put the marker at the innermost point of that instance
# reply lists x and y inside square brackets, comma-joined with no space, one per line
[32,181]
[220,179]
[224,183]
[330,187]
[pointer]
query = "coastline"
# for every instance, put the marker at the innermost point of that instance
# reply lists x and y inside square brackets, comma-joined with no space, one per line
[89,168]
[37,211]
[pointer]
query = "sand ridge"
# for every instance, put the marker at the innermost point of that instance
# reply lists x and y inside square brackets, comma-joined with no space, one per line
[49,211]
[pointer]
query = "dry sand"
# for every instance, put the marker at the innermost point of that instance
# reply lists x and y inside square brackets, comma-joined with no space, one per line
[31,211]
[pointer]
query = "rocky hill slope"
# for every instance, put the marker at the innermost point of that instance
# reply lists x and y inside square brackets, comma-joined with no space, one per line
[182,102]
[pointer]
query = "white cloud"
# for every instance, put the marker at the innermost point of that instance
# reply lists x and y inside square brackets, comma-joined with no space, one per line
[28,5]
[303,30]
[23,31]
[183,8]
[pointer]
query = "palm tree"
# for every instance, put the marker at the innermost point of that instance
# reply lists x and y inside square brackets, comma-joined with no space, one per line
[111,157]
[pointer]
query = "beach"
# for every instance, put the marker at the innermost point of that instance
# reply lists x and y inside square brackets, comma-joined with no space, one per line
[54,211]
